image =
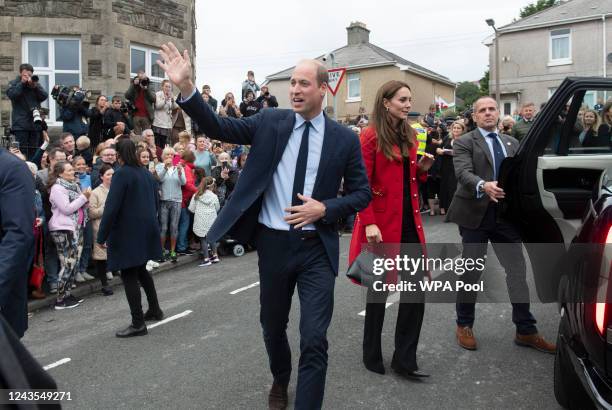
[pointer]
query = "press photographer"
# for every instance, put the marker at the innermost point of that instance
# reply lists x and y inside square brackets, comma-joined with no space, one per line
[117,118]
[26,95]
[143,99]
[74,108]
[267,97]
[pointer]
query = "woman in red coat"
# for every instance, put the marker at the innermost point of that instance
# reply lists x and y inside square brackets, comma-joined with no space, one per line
[389,151]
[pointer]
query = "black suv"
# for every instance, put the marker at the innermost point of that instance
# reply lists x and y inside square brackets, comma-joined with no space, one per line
[559,190]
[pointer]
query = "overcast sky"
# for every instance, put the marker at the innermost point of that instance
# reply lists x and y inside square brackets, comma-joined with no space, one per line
[234,36]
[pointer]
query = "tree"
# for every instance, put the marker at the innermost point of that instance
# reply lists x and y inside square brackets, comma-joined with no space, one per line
[468,92]
[539,5]
[484,84]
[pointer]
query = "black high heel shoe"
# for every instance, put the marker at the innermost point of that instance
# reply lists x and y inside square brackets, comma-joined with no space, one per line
[376,367]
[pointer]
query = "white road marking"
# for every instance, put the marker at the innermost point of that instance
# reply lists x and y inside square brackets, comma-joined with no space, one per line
[58,363]
[252,285]
[170,319]
[391,300]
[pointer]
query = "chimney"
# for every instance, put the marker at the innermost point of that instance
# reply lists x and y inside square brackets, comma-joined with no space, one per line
[357,33]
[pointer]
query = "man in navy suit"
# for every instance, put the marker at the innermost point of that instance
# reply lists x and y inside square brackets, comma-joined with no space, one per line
[16,239]
[286,201]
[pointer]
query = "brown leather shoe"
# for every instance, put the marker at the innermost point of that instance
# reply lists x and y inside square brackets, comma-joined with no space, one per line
[38,294]
[277,399]
[465,337]
[536,341]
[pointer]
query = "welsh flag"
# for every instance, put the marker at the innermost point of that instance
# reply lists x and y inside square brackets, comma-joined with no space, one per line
[442,105]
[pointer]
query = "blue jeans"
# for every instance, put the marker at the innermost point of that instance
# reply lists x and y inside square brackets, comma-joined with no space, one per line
[183,230]
[87,247]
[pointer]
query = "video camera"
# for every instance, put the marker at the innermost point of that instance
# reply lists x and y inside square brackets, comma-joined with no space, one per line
[144,82]
[68,97]
[127,107]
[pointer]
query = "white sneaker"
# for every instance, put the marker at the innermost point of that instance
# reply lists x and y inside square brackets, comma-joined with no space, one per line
[87,276]
[79,277]
[205,262]
[154,264]
[109,275]
[149,268]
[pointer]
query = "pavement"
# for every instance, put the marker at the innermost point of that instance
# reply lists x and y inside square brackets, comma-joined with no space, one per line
[210,354]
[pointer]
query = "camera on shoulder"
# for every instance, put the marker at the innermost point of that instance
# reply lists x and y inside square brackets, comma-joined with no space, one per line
[69,97]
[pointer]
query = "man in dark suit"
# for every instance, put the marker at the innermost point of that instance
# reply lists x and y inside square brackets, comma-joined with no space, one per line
[16,239]
[286,199]
[477,159]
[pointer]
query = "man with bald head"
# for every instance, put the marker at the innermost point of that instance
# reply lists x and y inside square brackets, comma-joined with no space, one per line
[477,157]
[286,202]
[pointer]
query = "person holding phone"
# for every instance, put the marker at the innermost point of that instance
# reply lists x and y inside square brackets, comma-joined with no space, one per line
[225,176]
[172,178]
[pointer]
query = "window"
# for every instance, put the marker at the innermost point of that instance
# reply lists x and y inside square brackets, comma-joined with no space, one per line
[145,59]
[560,47]
[55,61]
[507,108]
[353,87]
[580,129]
[551,91]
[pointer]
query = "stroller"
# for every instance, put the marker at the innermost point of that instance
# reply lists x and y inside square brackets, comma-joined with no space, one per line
[230,246]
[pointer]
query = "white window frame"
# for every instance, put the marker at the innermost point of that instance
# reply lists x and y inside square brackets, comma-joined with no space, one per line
[50,71]
[148,51]
[348,87]
[551,37]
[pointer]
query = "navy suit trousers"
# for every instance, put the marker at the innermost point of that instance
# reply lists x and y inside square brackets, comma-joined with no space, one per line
[287,261]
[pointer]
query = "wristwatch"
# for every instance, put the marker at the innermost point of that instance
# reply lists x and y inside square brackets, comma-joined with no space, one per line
[481,189]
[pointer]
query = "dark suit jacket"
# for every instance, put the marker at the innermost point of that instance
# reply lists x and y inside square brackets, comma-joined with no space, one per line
[16,239]
[473,162]
[268,133]
[129,223]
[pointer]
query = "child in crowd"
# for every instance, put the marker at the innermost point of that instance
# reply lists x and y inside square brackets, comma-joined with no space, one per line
[83,144]
[83,178]
[205,205]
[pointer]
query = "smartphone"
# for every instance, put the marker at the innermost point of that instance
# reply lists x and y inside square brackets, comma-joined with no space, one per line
[15,144]
[176,159]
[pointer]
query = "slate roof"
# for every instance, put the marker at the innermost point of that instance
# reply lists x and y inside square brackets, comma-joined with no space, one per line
[367,54]
[566,11]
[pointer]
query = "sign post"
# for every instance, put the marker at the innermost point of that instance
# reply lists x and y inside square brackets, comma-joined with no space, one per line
[335,78]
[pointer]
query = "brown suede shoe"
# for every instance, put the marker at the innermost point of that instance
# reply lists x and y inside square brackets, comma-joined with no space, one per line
[465,337]
[536,341]
[277,399]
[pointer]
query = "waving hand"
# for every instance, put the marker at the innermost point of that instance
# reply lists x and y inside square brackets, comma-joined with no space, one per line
[177,67]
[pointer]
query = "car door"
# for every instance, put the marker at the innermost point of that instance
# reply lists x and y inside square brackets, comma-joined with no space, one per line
[556,172]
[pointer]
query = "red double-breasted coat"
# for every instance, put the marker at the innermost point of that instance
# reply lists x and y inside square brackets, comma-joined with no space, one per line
[387,184]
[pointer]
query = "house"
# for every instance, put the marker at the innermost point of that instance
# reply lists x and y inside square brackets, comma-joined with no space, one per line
[367,68]
[573,38]
[97,45]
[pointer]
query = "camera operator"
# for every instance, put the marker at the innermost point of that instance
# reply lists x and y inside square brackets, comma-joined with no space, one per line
[266,96]
[143,99]
[75,114]
[26,94]
[116,116]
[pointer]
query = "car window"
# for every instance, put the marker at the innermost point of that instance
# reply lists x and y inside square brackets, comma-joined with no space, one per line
[583,126]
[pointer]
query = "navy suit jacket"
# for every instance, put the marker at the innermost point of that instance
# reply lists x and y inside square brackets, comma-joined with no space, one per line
[16,239]
[268,132]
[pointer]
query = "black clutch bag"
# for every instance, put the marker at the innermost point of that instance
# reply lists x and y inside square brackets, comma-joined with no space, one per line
[361,270]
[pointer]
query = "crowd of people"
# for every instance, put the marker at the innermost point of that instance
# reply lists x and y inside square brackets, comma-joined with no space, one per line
[73,174]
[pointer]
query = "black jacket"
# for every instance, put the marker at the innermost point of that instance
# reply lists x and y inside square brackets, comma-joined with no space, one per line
[249,108]
[23,100]
[129,225]
[272,103]
[110,119]
[16,239]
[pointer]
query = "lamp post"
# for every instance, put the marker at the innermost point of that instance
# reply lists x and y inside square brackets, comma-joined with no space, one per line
[491,23]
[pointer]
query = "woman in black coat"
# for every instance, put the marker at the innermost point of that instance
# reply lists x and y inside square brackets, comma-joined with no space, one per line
[448,183]
[130,230]
[95,122]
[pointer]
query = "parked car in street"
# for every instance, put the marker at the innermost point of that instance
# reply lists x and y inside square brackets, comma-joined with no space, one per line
[559,193]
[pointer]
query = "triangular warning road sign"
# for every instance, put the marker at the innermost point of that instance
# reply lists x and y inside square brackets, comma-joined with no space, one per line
[335,78]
